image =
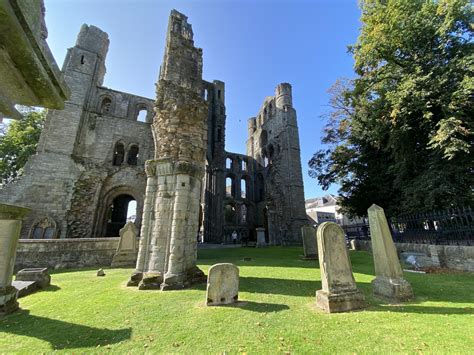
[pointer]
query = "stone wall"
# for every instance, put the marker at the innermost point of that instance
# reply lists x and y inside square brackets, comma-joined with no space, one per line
[447,256]
[65,253]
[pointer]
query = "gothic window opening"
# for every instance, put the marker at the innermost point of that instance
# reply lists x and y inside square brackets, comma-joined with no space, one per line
[119,154]
[142,114]
[132,157]
[105,106]
[228,163]
[243,214]
[244,188]
[229,187]
[45,228]
[244,165]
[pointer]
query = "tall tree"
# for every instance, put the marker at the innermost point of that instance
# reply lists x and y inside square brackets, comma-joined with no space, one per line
[18,142]
[400,134]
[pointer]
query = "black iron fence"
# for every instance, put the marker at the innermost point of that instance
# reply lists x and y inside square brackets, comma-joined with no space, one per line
[453,226]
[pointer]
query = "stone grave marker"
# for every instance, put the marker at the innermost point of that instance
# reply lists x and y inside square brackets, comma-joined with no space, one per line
[222,284]
[261,237]
[389,282]
[339,292]
[10,226]
[38,275]
[310,246]
[126,254]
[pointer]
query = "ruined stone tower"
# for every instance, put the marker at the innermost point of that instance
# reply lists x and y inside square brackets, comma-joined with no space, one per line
[168,245]
[274,143]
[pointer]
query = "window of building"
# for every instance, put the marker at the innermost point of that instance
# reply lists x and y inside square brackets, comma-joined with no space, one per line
[244,188]
[119,154]
[229,187]
[132,157]
[45,228]
[142,113]
[228,163]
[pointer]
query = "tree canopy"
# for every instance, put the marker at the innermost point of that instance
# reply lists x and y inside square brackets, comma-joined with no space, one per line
[400,133]
[18,142]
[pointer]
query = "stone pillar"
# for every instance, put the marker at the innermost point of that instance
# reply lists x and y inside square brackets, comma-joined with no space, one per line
[339,292]
[168,251]
[310,247]
[261,237]
[389,282]
[10,226]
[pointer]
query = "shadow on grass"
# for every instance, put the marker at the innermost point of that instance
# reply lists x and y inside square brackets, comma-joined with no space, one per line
[60,334]
[50,288]
[413,308]
[261,307]
[286,287]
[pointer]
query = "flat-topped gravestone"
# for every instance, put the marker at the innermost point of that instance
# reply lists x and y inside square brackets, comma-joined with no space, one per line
[10,226]
[389,282]
[222,284]
[126,254]
[310,247]
[260,237]
[39,275]
[25,288]
[339,292]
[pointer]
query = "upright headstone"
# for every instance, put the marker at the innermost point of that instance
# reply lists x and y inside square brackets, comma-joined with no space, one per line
[260,237]
[389,282]
[222,284]
[10,226]
[310,246]
[126,254]
[339,292]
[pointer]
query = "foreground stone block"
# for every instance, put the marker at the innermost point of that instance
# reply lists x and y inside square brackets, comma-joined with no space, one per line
[339,292]
[126,254]
[10,226]
[310,246]
[222,284]
[389,282]
[39,275]
[25,288]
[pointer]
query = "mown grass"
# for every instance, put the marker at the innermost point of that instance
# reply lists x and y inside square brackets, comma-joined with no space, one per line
[83,313]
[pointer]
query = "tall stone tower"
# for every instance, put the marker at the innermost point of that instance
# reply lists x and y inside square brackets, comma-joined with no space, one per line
[274,143]
[168,244]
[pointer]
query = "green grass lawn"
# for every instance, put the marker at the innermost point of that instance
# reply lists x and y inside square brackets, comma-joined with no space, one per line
[83,313]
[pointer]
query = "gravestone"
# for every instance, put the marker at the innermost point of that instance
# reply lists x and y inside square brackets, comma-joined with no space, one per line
[389,282]
[126,254]
[310,247]
[339,292]
[10,226]
[222,284]
[38,275]
[261,237]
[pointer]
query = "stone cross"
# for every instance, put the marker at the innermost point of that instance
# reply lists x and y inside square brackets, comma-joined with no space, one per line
[389,282]
[222,284]
[339,292]
[10,226]
[310,247]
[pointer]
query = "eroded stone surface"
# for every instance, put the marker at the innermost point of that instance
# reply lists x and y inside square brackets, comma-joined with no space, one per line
[39,275]
[310,247]
[222,284]
[126,254]
[389,282]
[339,292]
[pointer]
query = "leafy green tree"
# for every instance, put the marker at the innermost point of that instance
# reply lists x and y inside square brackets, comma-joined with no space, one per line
[18,142]
[400,133]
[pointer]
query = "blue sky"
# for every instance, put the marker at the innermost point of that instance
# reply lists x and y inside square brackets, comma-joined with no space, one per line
[250,45]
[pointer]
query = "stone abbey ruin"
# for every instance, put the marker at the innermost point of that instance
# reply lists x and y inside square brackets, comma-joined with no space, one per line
[106,148]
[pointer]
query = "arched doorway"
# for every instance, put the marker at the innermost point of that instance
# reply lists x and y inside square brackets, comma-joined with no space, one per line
[118,212]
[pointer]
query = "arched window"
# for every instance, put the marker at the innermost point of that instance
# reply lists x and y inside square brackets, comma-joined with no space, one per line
[45,228]
[106,106]
[244,188]
[243,214]
[244,165]
[132,157]
[119,212]
[142,113]
[119,154]
[228,163]
[229,187]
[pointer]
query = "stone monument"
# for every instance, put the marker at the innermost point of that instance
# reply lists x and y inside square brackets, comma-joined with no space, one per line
[260,237]
[10,226]
[310,247]
[339,292]
[389,282]
[126,254]
[222,284]
[168,245]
